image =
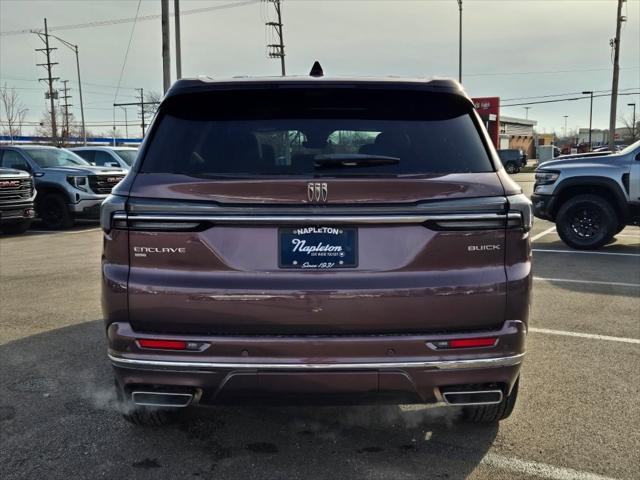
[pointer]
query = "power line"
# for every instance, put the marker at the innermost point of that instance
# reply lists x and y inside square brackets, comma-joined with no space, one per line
[126,53]
[542,72]
[116,21]
[565,99]
[559,95]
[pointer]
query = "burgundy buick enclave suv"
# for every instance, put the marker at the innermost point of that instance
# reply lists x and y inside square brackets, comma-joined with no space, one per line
[314,239]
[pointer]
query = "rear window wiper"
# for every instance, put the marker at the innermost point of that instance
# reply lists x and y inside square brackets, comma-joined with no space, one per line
[333,160]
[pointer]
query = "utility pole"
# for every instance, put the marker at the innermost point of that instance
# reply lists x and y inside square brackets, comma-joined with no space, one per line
[140,104]
[526,113]
[460,43]
[142,109]
[276,50]
[565,125]
[633,125]
[126,122]
[66,97]
[51,94]
[176,14]
[166,51]
[615,44]
[590,115]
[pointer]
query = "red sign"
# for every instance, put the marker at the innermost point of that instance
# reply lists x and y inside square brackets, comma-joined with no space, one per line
[489,110]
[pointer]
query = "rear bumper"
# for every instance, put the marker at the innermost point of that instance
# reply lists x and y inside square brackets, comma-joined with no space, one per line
[351,369]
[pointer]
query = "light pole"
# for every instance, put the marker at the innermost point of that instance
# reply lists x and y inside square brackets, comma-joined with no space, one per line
[526,113]
[74,48]
[590,115]
[126,122]
[565,125]
[460,42]
[633,125]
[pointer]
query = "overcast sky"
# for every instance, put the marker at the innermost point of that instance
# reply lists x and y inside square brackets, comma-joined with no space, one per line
[511,48]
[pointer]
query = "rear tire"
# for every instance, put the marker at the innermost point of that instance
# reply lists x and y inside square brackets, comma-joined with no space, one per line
[139,415]
[16,228]
[511,167]
[586,222]
[54,212]
[492,413]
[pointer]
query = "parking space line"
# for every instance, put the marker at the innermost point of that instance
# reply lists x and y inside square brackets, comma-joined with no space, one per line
[542,234]
[587,282]
[584,252]
[536,469]
[66,233]
[591,336]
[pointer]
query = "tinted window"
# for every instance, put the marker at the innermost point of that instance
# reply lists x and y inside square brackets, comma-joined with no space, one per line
[294,132]
[12,159]
[54,157]
[127,155]
[88,155]
[103,158]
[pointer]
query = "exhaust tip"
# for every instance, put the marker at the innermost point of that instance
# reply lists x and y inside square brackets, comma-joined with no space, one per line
[473,397]
[161,399]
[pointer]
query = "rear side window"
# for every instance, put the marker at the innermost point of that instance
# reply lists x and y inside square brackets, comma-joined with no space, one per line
[322,132]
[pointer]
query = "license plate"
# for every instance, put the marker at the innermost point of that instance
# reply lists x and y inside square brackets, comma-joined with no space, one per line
[318,248]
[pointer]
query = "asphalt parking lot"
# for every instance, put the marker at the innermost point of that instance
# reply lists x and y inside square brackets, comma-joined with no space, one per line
[577,416]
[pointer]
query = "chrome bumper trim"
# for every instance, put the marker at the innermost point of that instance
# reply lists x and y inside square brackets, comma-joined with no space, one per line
[315,219]
[430,364]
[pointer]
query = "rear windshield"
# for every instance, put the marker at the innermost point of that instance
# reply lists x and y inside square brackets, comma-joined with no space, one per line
[316,133]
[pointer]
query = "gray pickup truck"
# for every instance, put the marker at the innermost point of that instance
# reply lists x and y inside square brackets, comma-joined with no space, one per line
[68,186]
[590,199]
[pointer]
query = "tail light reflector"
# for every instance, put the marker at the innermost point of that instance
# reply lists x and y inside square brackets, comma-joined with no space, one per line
[163,344]
[472,342]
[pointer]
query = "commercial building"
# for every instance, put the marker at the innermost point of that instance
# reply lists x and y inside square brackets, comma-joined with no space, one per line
[517,133]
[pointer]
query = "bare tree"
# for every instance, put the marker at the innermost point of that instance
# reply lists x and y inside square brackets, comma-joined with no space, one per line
[632,132]
[152,100]
[14,111]
[66,137]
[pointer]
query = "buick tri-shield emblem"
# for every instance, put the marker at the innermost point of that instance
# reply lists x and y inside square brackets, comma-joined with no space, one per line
[317,192]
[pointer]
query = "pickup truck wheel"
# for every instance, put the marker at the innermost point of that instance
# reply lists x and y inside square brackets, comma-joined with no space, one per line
[511,167]
[54,212]
[139,415]
[16,228]
[586,222]
[492,413]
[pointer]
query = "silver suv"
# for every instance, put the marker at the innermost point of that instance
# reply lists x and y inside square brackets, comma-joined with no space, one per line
[68,186]
[590,199]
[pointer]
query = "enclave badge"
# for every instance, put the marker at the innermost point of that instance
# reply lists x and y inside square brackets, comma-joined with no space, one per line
[317,191]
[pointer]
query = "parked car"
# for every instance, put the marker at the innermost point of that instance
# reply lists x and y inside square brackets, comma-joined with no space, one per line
[16,200]
[513,159]
[590,199]
[68,187]
[122,157]
[323,240]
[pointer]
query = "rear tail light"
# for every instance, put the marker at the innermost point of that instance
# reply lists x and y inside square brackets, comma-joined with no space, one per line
[480,342]
[520,204]
[111,205]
